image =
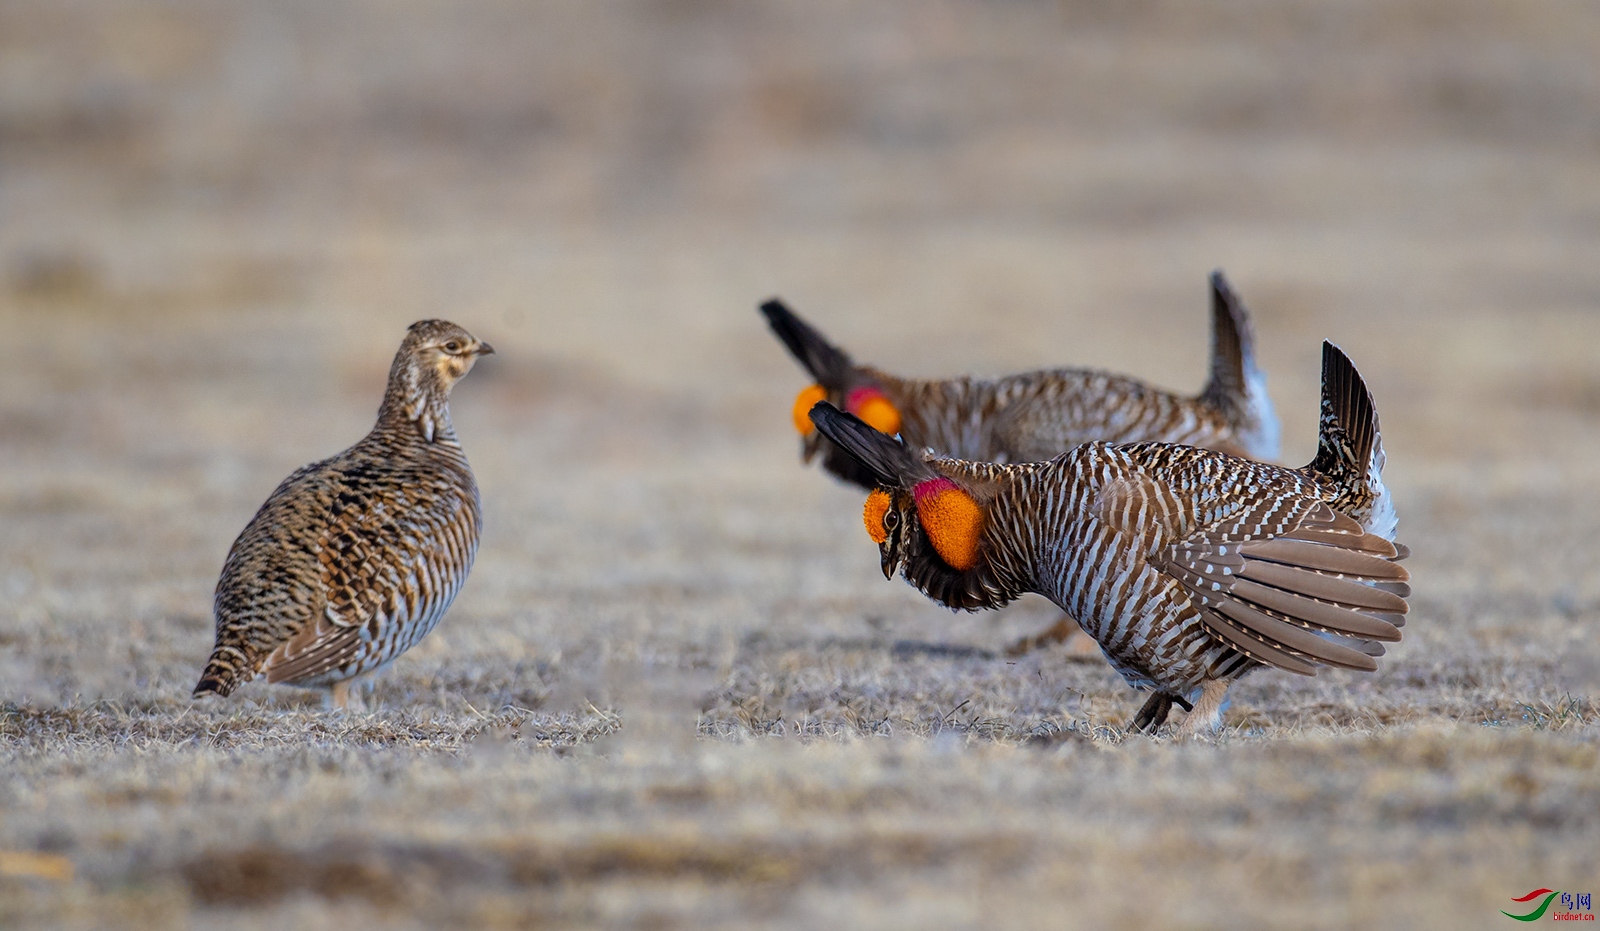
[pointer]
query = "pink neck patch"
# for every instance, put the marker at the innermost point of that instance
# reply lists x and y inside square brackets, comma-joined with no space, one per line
[860,396]
[932,488]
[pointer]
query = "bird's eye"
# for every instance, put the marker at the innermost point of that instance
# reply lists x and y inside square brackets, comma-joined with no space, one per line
[891,519]
[453,347]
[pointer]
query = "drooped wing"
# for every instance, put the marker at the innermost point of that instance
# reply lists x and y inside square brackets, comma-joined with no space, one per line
[1294,584]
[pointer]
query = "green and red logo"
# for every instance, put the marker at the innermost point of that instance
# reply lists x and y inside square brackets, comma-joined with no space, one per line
[1575,906]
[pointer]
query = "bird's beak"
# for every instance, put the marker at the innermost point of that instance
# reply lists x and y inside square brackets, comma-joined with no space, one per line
[484,349]
[887,560]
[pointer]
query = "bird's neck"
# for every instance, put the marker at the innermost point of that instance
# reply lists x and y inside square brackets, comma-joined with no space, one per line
[416,407]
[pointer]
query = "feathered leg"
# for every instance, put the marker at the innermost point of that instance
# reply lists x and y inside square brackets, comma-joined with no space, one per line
[1206,718]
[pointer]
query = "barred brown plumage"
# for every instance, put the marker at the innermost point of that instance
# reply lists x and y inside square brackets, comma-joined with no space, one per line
[1189,567]
[1036,415]
[354,559]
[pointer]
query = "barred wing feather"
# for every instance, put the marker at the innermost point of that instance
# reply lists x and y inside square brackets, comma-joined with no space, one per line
[1313,590]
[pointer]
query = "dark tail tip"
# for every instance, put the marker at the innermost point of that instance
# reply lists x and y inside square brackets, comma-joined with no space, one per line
[1348,431]
[1232,346]
[209,685]
[887,460]
[220,677]
[827,363]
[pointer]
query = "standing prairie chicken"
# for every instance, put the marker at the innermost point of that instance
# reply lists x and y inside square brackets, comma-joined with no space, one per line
[355,558]
[1189,567]
[1038,415]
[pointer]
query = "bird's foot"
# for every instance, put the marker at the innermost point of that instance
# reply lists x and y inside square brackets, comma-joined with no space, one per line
[1155,711]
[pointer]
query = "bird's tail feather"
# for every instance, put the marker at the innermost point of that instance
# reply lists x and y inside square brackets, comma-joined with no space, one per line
[227,669]
[1350,445]
[1236,386]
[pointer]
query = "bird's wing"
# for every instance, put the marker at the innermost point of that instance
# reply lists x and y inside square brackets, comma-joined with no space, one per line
[370,557]
[1292,583]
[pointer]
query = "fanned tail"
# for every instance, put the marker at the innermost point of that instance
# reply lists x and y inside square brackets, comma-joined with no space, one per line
[1350,446]
[1236,386]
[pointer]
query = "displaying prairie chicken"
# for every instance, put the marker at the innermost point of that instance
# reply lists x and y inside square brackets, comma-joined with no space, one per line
[355,558]
[1038,415]
[1189,567]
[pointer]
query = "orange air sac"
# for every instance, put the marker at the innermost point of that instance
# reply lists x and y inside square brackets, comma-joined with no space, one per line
[952,520]
[875,410]
[803,403]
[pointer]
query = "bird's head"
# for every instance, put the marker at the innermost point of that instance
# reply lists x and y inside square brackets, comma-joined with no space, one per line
[840,382]
[867,402]
[440,352]
[920,519]
[434,356]
[949,519]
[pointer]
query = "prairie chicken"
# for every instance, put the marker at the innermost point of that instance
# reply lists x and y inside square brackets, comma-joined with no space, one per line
[353,559]
[1189,567]
[1035,416]
[1038,415]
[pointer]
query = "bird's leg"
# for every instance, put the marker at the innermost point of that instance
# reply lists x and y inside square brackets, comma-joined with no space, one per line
[338,697]
[1206,716]
[1059,632]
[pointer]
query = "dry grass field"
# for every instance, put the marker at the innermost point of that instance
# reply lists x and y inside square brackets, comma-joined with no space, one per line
[676,692]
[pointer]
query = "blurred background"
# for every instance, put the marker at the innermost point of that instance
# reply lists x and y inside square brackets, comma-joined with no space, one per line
[948,185]
[217,218]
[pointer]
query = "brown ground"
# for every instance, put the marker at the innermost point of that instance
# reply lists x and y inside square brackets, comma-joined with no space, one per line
[676,693]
